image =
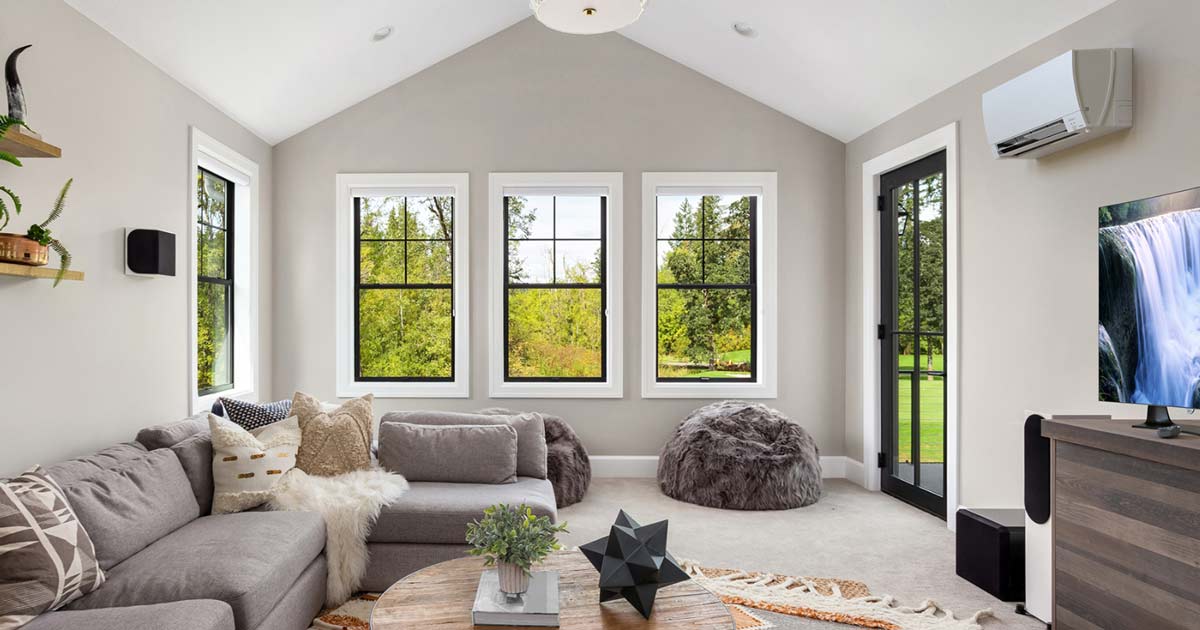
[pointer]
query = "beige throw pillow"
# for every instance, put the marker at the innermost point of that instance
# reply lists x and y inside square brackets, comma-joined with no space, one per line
[337,441]
[248,464]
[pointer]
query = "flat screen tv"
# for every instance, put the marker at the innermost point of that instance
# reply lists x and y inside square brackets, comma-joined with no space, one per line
[1150,303]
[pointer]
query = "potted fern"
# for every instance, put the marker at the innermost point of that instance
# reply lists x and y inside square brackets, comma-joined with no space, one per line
[32,248]
[513,539]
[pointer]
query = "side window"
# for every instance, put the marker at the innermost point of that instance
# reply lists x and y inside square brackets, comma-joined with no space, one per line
[214,282]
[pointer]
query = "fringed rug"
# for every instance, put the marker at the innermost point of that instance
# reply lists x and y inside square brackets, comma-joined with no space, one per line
[839,601]
[826,599]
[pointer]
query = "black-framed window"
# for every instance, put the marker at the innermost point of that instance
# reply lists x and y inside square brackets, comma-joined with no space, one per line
[214,282]
[404,288]
[555,288]
[706,290]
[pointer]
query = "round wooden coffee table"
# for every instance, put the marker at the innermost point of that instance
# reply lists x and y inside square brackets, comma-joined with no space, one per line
[441,597]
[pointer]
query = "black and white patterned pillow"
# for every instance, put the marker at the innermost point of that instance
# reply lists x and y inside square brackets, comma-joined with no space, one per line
[251,416]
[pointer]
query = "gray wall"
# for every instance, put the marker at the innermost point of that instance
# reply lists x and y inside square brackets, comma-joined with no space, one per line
[530,99]
[1028,235]
[86,364]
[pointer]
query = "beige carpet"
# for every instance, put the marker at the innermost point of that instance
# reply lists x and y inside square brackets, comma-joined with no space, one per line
[850,533]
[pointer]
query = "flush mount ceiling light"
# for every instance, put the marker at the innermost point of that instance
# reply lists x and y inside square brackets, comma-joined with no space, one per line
[587,17]
[381,34]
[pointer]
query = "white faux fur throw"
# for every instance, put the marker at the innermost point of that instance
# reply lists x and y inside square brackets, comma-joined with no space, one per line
[349,503]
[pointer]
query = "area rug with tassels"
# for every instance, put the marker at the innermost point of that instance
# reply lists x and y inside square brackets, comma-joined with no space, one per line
[744,593]
[839,601]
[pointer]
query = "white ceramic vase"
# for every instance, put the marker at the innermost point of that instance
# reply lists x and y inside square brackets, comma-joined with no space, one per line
[513,579]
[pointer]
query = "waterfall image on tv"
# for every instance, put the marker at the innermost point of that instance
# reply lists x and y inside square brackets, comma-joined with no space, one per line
[1150,301]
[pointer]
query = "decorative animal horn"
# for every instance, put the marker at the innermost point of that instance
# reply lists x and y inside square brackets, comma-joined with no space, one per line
[16,96]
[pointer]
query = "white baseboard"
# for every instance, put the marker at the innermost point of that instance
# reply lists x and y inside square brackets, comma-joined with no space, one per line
[646,467]
[625,466]
[855,471]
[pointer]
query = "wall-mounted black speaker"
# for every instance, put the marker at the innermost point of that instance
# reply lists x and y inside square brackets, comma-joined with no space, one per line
[150,252]
[1037,471]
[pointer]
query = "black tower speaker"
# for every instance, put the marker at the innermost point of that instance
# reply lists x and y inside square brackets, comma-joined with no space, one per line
[1037,471]
[150,252]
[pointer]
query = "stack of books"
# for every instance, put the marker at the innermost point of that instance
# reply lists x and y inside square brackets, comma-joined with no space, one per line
[536,607]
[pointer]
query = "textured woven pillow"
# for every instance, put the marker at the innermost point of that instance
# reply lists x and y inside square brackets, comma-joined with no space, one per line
[337,441]
[46,557]
[248,464]
[250,415]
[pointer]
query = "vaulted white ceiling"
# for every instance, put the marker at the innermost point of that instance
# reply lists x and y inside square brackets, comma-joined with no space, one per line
[841,66]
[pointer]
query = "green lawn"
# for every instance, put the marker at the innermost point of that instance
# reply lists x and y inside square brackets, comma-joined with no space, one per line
[736,356]
[733,356]
[719,374]
[905,362]
[932,418]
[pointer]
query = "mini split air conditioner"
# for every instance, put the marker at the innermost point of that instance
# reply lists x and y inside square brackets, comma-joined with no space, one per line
[1073,98]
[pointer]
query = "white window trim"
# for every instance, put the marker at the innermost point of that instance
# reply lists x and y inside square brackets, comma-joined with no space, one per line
[351,184]
[210,154]
[766,185]
[945,138]
[607,184]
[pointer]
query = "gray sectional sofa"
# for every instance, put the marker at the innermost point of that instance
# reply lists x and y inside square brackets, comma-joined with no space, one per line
[170,564]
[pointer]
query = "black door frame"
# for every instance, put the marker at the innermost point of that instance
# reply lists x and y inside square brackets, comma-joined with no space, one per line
[890,483]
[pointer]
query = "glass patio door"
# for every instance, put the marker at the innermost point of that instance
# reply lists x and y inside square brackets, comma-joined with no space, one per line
[912,210]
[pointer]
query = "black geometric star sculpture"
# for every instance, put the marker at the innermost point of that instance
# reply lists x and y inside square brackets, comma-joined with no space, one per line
[633,562]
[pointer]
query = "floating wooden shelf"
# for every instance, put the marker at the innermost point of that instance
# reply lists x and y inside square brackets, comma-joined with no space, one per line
[24,145]
[25,271]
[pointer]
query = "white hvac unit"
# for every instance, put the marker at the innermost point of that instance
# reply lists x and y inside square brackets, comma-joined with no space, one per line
[1075,97]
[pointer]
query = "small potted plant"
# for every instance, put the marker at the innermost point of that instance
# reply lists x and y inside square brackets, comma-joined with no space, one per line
[33,247]
[513,539]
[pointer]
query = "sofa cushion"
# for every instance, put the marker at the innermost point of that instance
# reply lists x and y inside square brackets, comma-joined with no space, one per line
[133,504]
[172,433]
[252,415]
[72,471]
[438,512]
[334,442]
[196,456]
[248,464]
[248,560]
[530,428]
[46,556]
[194,614]
[455,453]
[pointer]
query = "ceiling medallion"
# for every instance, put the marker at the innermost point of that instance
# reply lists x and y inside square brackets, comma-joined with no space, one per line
[587,17]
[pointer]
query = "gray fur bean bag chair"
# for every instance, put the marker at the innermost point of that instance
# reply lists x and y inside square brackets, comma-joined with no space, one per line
[567,463]
[740,456]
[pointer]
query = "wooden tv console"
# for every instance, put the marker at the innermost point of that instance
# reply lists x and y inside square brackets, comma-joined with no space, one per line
[1126,526]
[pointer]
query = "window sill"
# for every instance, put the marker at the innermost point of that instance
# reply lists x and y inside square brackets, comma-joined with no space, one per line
[555,390]
[655,389]
[383,389]
[205,402]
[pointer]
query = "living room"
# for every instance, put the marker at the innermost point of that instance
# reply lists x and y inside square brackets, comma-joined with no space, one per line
[405,261]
